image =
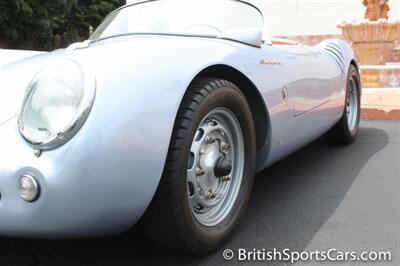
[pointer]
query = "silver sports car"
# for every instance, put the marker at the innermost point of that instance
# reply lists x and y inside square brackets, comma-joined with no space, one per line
[164,115]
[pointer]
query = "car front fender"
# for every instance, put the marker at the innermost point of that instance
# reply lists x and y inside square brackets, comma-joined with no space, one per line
[103,179]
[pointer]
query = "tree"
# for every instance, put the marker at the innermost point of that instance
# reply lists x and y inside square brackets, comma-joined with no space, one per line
[31,24]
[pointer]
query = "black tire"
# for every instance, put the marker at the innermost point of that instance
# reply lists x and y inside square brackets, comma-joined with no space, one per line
[169,220]
[341,133]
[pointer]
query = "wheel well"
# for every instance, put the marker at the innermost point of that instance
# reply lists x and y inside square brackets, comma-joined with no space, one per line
[250,91]
[355,64]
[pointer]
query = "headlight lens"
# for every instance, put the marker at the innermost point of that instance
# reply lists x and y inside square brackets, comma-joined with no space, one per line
[56,104]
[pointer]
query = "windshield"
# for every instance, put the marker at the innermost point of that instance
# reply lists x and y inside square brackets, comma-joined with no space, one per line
[180,17]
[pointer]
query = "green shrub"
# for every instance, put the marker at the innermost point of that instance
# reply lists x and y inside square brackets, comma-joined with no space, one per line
[32,24]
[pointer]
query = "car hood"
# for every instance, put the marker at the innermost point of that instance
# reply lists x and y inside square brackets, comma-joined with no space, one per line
[17,69]
[10,56]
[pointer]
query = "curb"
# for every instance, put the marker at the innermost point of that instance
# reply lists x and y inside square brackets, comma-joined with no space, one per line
[380,103]
[379,114]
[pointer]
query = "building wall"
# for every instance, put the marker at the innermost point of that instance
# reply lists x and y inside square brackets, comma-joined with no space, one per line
[314,17]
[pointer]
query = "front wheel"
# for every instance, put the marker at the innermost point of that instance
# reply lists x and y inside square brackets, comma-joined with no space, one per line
[345,131]
[208,177]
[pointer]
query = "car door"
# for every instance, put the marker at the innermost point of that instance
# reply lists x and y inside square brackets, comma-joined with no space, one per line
[310,76]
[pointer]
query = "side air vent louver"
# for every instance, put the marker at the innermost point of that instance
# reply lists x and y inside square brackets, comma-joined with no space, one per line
[335,52]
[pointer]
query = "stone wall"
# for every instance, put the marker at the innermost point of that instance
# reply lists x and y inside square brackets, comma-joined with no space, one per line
[4,44]
[385,78]
[311,39]
[315,39]
[395,56]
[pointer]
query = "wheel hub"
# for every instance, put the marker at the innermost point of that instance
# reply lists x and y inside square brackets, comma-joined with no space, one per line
[208,160]
[215,166]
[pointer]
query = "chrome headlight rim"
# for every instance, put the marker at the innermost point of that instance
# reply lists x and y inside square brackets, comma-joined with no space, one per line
[81,115]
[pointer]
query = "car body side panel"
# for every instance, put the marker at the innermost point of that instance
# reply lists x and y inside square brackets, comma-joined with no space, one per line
[312,75]
[319,111]
[104,178]
[271,82]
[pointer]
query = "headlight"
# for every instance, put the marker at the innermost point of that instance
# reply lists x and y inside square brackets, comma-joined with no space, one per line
[56,104]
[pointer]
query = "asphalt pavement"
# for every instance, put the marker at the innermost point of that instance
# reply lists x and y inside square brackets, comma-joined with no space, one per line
[322,197]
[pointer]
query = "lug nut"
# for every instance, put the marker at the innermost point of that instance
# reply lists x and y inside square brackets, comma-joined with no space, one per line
[210,195]
[226,178]
[210,140]
[200,172]
[225,146]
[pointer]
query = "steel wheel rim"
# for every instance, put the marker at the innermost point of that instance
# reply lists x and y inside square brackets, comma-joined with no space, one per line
[352,105]
[211,199]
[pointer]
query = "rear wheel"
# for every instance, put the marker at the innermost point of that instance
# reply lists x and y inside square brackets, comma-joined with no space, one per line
[345,131]
[209,172]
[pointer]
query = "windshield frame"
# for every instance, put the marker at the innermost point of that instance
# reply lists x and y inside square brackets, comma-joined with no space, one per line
[166,34]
